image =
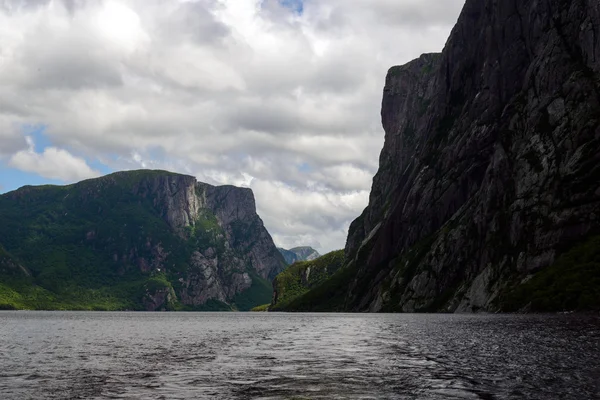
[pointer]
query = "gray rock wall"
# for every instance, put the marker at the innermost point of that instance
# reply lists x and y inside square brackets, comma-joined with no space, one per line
[218,272]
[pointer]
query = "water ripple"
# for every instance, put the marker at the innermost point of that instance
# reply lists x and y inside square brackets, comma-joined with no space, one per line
[77,355]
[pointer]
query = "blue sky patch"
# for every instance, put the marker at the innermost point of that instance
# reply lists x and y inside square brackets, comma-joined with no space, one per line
[98,166]
[12,179]
[38,134]
[305,167]
[296,6]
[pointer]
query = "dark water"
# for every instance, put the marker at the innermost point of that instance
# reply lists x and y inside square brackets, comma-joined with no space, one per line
[74,355]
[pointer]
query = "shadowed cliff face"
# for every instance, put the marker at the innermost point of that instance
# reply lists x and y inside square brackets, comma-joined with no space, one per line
[150,238]
[491,162]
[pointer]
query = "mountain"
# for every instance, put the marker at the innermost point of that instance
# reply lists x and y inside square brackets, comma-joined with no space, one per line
[304,253]
[487,195]
[148,240]
[302,276]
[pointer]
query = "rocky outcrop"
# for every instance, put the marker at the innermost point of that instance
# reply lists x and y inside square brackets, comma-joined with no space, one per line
[302,253]
[160,299]
[194,243]
[490,167]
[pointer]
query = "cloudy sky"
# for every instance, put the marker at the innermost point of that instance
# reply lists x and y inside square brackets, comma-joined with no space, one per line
[282,96]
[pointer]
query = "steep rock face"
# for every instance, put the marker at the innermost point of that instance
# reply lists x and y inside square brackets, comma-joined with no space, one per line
[177,242]
[491,162]
[235,210]
[174,196]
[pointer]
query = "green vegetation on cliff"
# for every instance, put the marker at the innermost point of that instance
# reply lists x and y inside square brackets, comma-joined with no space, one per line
[572,283]
[262,308]
[259,293]
[329,296]
[302,277]
[111,244]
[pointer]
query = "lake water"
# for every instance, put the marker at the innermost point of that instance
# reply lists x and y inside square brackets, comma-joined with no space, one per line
[80,355]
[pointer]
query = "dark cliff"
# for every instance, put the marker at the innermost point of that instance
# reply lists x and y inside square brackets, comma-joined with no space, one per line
[491,164]
[139,239]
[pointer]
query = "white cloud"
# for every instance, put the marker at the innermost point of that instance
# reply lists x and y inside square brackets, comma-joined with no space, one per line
[314,217]
[232,91]
[11,140]
[53,163]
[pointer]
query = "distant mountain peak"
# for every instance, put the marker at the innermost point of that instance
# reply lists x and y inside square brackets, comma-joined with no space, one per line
[300,253]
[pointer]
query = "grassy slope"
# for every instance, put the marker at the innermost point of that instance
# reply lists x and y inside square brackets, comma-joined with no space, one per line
[261,308]
[70,236]
[259,293]
[329,296]
[46,228]
[292,283]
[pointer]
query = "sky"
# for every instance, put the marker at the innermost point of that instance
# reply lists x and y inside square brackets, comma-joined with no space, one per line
[282,96]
